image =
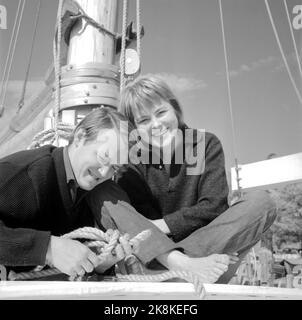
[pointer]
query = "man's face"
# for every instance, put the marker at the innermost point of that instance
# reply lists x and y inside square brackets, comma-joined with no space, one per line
[94,162]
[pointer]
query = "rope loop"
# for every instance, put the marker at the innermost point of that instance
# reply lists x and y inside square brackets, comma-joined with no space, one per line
[105,243]
[49,136]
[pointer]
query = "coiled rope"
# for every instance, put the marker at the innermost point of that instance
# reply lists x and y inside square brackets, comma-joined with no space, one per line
[49,136]
[104,243]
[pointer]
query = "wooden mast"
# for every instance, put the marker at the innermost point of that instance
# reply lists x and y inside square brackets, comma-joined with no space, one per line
[90,77]
[88,44]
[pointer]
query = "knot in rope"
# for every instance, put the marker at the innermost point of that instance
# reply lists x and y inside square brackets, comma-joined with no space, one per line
[103,243]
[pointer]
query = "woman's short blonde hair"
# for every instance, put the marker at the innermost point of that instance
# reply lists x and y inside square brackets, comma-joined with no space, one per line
[145,91]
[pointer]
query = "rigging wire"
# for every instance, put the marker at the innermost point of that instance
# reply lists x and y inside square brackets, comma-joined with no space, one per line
[293,38]
[21,102]
[10,46]
[229,97]
[282,52]
[10,55]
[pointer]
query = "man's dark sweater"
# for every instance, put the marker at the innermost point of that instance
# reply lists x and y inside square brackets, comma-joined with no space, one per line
[185,202]
[35,202]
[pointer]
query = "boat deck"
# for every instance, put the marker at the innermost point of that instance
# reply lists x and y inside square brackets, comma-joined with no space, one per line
[45,290]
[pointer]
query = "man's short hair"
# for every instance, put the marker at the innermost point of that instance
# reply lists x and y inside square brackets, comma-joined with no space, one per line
[147,90]
[98,119]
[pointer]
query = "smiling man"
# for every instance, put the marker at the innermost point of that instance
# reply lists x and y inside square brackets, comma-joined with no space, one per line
[43,195]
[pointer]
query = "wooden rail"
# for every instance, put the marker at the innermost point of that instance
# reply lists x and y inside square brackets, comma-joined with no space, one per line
[44,290]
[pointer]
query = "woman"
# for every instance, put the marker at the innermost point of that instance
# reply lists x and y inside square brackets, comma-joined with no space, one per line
[176,181]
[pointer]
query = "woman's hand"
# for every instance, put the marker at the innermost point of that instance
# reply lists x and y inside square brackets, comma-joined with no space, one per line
[121,251]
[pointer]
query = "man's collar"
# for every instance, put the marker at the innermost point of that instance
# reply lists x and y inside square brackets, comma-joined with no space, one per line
[68,168]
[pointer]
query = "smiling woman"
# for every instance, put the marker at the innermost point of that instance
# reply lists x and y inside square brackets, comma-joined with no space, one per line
[193,228]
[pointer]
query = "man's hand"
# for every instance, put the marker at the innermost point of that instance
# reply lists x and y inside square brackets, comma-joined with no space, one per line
[161,225]
[70,256]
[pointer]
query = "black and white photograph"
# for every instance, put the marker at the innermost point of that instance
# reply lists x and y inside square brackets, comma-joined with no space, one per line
[150,150]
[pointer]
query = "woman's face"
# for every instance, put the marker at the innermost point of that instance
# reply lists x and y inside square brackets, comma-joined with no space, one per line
[159,122]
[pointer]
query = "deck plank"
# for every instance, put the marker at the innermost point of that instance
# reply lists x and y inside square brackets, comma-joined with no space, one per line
[44,290]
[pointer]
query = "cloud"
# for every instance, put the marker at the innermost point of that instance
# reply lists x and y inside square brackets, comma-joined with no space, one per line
[234,73]
[182,84]
[291,60]
[245,68]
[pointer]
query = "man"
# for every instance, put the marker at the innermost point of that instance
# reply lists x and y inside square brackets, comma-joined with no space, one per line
[43,196]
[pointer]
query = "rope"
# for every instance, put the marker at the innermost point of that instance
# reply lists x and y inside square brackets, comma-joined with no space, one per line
[107,242]
[282,52]
[123,48]
[293,38]
[185,275]
[21,102]
[57,67]
[138,28]
[64,130]
[113,238]
[84,15]
[10,56]
[88,233]
[230,99]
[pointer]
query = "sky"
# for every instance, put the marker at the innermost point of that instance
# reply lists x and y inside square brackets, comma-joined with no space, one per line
[183,42]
